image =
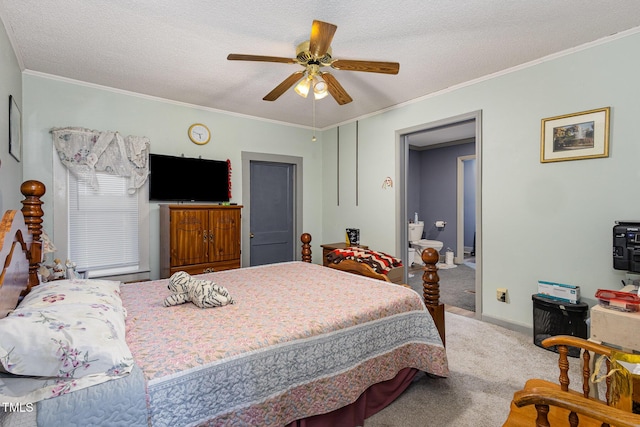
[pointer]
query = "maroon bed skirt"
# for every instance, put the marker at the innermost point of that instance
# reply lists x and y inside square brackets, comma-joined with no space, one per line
[373,400]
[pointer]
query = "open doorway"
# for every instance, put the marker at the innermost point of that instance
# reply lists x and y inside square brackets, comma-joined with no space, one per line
[439,179]
[466,212]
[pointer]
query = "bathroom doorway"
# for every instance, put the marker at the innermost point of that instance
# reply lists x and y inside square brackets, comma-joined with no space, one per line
[439,178]
[466,212]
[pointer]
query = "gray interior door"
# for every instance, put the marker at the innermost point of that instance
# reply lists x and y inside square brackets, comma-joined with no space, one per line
[272,212]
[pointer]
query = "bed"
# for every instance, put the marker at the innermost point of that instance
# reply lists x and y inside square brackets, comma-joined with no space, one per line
[303,345]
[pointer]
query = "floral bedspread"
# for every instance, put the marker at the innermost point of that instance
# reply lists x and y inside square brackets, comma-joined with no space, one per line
[300,340]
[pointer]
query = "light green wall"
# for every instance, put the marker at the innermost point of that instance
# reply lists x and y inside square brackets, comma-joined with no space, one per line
[10,84]
[367,205]
[51,102]
[549,221]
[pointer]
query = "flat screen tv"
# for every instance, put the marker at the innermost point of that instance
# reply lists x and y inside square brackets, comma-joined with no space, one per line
[185,179]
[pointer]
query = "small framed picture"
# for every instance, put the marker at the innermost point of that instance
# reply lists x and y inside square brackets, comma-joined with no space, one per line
[15,129]
[577,136]
[353,236]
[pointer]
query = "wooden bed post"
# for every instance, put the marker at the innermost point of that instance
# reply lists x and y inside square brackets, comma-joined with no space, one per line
[306,247]
[33,213]
[431,287]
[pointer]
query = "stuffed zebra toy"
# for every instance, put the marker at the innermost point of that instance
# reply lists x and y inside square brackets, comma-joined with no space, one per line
[203,293]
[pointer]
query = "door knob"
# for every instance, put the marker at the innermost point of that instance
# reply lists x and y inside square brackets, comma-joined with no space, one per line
[251,235]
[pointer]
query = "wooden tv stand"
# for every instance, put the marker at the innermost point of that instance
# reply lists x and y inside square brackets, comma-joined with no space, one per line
[199,238]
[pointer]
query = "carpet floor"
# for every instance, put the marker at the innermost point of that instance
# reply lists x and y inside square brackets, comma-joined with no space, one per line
[487,364]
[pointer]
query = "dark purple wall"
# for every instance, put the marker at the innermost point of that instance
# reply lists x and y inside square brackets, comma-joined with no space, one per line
[431,191]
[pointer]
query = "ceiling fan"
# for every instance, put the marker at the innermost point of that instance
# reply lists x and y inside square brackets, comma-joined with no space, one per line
[314,54]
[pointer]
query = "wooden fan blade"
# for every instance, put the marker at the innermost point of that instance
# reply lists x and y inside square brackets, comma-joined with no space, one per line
[321,36]
[368,66]
[241,57]
[336,90]
[282,87]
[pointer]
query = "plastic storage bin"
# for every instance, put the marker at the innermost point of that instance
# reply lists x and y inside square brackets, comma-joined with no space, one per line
[551,318]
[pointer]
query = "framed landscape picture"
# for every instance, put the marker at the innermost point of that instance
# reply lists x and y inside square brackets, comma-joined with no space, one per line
[583,135]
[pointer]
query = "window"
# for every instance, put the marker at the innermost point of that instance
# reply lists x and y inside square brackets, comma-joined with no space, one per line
[105,232]
[103,226]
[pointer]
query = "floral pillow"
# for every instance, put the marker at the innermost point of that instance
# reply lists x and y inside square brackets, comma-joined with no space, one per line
[65,341]
[76,291]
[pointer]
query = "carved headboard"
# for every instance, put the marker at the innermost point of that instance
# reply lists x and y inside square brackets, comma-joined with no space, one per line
[14,260]
[21,247]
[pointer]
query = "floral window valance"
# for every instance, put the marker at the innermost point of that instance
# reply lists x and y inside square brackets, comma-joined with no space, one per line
[85,152]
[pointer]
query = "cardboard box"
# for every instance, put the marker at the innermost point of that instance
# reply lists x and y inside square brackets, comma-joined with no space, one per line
[616,328]
[559,291]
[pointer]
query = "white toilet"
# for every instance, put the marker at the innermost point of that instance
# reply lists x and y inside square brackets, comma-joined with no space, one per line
[418,243]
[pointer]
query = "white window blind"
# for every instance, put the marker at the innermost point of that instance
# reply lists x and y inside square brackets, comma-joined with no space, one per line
[103,226]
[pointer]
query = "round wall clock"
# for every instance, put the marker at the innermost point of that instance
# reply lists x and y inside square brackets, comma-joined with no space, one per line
[199,133]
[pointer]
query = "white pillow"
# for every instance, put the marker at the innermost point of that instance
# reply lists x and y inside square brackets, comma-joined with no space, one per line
[76,291]
[80,334]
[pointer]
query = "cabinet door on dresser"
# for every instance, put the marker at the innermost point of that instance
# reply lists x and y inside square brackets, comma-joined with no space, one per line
[199,238]
[224,229]
[189,236]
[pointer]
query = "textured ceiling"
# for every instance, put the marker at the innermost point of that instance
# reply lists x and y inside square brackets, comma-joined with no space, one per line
[177,49]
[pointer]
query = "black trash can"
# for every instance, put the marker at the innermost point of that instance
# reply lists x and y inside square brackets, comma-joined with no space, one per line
[552,317]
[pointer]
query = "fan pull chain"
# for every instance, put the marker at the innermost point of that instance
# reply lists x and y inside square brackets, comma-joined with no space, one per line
[313,138]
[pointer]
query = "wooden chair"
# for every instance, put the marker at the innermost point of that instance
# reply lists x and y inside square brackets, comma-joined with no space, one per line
[543,403]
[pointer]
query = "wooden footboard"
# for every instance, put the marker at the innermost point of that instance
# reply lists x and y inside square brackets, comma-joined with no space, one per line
[351,266]
[431,289]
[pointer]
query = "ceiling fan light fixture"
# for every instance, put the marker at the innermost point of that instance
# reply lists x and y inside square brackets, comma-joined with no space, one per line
[303,87]
[314,54]
[319,87]
[320,95]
